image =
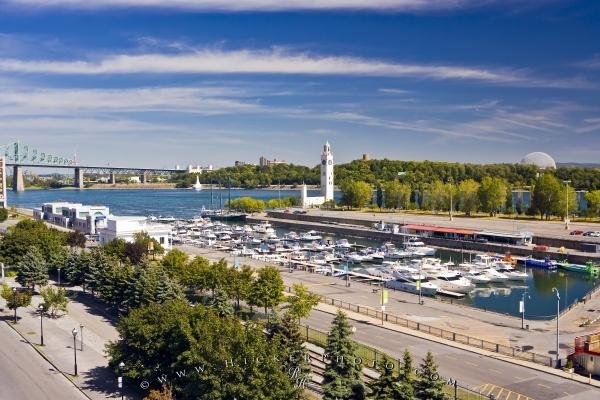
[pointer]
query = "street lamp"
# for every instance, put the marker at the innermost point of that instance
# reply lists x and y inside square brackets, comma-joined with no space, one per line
[41,308]
[522,308]
[74,332]
[15,302]
[58,276]
[567,203]
[555,290]
[81,329]
[120,378]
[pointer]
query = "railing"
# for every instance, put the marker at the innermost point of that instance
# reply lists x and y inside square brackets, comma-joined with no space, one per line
[371,356]
[442,333]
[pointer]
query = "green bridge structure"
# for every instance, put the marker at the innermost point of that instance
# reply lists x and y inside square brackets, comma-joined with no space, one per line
[20,156]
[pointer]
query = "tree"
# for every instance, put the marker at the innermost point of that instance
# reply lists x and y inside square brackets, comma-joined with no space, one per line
[76,239]
[220,302]
[356,193]
[297,361]
[593,203]
[379,196]
[341,379]
[546,195]
[29,233]
[397,195]
[561,206]
[406,389]
[166,393]
[55,300]
[3,214]
[267,289]
[302,302]
[15,298]
[492,194]
[175,262]
[32,269]
[74,267]
[240,283]
[468,198]
[428,384]
[386,385]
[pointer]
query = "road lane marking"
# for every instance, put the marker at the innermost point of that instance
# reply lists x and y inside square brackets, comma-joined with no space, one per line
[544,386]
[494,370]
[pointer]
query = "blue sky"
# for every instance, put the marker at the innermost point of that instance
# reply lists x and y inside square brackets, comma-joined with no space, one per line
[135,82]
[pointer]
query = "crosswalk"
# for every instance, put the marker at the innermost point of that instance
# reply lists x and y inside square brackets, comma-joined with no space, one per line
[499,393]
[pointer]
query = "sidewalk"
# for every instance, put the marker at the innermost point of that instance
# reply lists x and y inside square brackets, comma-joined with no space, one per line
[94,378]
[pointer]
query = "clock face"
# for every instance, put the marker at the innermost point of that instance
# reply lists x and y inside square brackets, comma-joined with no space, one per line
[330,162]
[323,162]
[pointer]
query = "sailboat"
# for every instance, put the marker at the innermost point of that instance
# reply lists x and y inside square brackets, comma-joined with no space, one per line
[197,186]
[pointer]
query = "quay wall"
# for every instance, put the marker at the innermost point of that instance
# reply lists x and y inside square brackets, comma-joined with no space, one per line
[362,229]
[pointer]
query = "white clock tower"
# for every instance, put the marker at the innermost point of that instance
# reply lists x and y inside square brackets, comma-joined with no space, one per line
[327,173]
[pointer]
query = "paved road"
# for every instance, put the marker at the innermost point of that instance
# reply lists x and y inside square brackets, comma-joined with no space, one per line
[471,370]
[24,374]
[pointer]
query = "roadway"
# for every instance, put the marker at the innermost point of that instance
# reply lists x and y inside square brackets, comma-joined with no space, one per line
[26,375]
[506,381]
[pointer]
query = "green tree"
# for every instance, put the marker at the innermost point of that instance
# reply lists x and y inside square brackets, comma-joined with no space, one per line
[379,196]
[468,196]
[220,302]
[151,245]
[561,206]
[546,195]
[428,384]
[15,298]
[397,195]
[356,193]
[32,269]
[55,300]
[492,194]
[302,302]
[76,239]
[296,361]
[3,214]
[406,389]
[386,386]
[267,289]
[593,203]
[175,262]
[341,379]
[29,233]
[240,283]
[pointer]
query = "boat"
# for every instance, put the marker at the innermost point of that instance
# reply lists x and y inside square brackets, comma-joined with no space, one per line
[588,268]
[546,263]
[507,269]
[477,277]
[310,236]
[197,186]
[263,227]
[342,244]
[413,283]
[495,276]
[452,281]
[418,248]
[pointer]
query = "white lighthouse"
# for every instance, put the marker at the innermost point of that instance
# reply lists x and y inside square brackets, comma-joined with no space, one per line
[326,181]
[327,172]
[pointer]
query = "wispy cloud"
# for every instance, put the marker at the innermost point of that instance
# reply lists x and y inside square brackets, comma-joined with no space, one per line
[273,61]
[393,91]
[272,5]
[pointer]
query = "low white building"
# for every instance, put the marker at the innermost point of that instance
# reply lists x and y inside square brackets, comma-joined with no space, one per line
[125,227]
[84,218]
[198,169]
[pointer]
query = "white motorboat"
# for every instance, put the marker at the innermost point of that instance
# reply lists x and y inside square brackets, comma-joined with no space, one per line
[453,282]
[507,269]
[342,244]
[310,236]
[412,283]
[263,227]
[477,277]
[495,276]
[353,258]
[418,248]
[292,236]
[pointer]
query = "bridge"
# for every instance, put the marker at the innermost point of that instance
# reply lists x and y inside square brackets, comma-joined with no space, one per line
[19,156]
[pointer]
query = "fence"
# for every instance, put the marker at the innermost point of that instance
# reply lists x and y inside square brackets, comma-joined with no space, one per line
[371,357]
[442,333]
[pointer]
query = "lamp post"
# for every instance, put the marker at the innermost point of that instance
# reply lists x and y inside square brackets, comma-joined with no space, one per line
[522,308]
[74,332]
[555,290]
[41,309]
[567,203]
[58,276]
[120,379]
[15,302]
[81,339]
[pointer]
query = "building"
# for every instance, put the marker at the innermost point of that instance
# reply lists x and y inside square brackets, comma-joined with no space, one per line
[540,160]
[587,353]
[191,169]
[326,181]
[2,183]
[264,162]
[125,227]
[87,219]
[366,157]
[239,163]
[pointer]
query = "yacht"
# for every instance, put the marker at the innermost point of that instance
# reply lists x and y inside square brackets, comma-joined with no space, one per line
[453,282]
[342,244]
[263,227]
[507,269]
[292,236]
[310,236]
[418,248]
[477,277]
[495,276]
[410,282]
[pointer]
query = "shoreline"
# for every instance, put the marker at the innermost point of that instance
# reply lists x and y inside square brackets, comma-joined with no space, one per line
[168,186]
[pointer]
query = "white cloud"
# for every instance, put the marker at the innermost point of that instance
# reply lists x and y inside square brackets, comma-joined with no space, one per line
[393,91]
[269,5]
[273,61]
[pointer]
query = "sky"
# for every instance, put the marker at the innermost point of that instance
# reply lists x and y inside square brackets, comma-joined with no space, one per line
[151,83]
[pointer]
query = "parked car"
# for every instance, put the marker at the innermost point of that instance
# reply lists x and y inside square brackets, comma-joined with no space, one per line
[300,212]
[576,232]
[592,233]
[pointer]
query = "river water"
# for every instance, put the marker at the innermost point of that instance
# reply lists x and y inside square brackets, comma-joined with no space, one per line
[185,203]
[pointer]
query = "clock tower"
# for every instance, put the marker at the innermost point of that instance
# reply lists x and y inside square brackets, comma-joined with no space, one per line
[327,173]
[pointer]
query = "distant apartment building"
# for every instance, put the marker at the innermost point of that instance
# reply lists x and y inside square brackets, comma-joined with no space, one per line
[265,162]
[240,163]
[198,169]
